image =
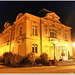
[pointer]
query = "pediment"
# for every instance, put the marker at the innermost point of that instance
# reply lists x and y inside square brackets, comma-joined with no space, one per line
[52,15]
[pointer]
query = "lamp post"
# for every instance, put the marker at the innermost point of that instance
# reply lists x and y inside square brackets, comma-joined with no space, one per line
[74,44]
[54,43]
[54,51]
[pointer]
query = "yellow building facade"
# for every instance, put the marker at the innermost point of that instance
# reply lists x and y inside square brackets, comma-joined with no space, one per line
[31,33]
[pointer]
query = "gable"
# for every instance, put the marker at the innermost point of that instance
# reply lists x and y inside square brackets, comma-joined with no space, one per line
[52,15]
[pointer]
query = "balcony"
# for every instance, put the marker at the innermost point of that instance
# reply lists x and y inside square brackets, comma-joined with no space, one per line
[22,37]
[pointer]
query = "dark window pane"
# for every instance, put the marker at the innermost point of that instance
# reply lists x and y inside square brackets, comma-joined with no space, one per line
[33,48]
[20,31]
[35,31]
[52,34]
[36,27]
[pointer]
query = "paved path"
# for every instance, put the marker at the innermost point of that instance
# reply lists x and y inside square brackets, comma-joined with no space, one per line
[37,70]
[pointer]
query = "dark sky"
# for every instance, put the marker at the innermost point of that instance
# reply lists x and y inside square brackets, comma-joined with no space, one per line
[64,9]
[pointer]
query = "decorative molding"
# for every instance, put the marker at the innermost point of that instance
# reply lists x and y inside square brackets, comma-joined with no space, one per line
[26,17]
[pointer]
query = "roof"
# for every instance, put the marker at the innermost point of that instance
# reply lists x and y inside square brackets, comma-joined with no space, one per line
[43,12]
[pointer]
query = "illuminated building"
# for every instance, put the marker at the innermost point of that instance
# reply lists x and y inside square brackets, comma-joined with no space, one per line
[31,33]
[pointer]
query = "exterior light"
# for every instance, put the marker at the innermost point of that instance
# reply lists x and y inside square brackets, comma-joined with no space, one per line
[73,44]
[56,42]
[65,45]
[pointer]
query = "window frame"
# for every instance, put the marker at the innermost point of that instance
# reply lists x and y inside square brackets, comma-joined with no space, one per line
[66,37]
[35,48]
[52,33]
[34,30]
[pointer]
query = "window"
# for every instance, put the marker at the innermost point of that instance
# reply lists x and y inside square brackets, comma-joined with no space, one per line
[34,48]
[52,33]
[45,29]
[34,30]
[66,39]
[20,31]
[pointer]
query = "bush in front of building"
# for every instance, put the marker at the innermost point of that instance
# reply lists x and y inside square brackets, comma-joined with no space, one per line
[43,59]
[6,58]
[38,60]
[15,60]
[25,61]
[44,56]
[1,59]
[29,59]
[12,60]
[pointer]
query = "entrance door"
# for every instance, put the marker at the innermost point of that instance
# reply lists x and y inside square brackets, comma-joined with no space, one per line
[62,53]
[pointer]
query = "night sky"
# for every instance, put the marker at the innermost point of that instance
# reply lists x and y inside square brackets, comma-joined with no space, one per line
[64,9]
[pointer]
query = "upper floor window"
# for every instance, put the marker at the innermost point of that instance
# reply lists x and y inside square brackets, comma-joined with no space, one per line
[52,33]
[34,48]
[46,30]
[20,31]
[66,38]
[34,30]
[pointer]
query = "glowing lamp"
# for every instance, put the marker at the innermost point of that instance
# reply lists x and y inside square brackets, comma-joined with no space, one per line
[73,44]
[56,42]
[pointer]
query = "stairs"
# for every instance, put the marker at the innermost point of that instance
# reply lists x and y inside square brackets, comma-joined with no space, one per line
[65,63]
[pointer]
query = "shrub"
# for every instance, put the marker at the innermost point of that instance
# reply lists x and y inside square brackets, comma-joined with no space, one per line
[25,61]
[43,59]
[31,57]
[44,56]
[6,57]
[1,59]
[15,60]
[38,60]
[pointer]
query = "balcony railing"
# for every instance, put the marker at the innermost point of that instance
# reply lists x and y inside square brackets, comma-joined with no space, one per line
[22,37]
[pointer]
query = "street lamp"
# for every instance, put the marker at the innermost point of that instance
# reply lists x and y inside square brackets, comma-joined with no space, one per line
[54,43]
[73,44]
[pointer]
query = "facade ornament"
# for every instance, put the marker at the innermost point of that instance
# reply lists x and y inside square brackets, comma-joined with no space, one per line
[26,17]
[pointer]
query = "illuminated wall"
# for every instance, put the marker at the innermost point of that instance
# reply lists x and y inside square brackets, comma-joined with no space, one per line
[30,33]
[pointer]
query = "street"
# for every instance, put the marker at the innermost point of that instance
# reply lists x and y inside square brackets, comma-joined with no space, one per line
[37,70]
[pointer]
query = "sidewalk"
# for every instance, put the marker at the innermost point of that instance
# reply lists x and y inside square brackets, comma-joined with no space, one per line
[66,63]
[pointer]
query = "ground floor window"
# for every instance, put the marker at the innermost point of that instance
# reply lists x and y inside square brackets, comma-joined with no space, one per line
[34,48]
